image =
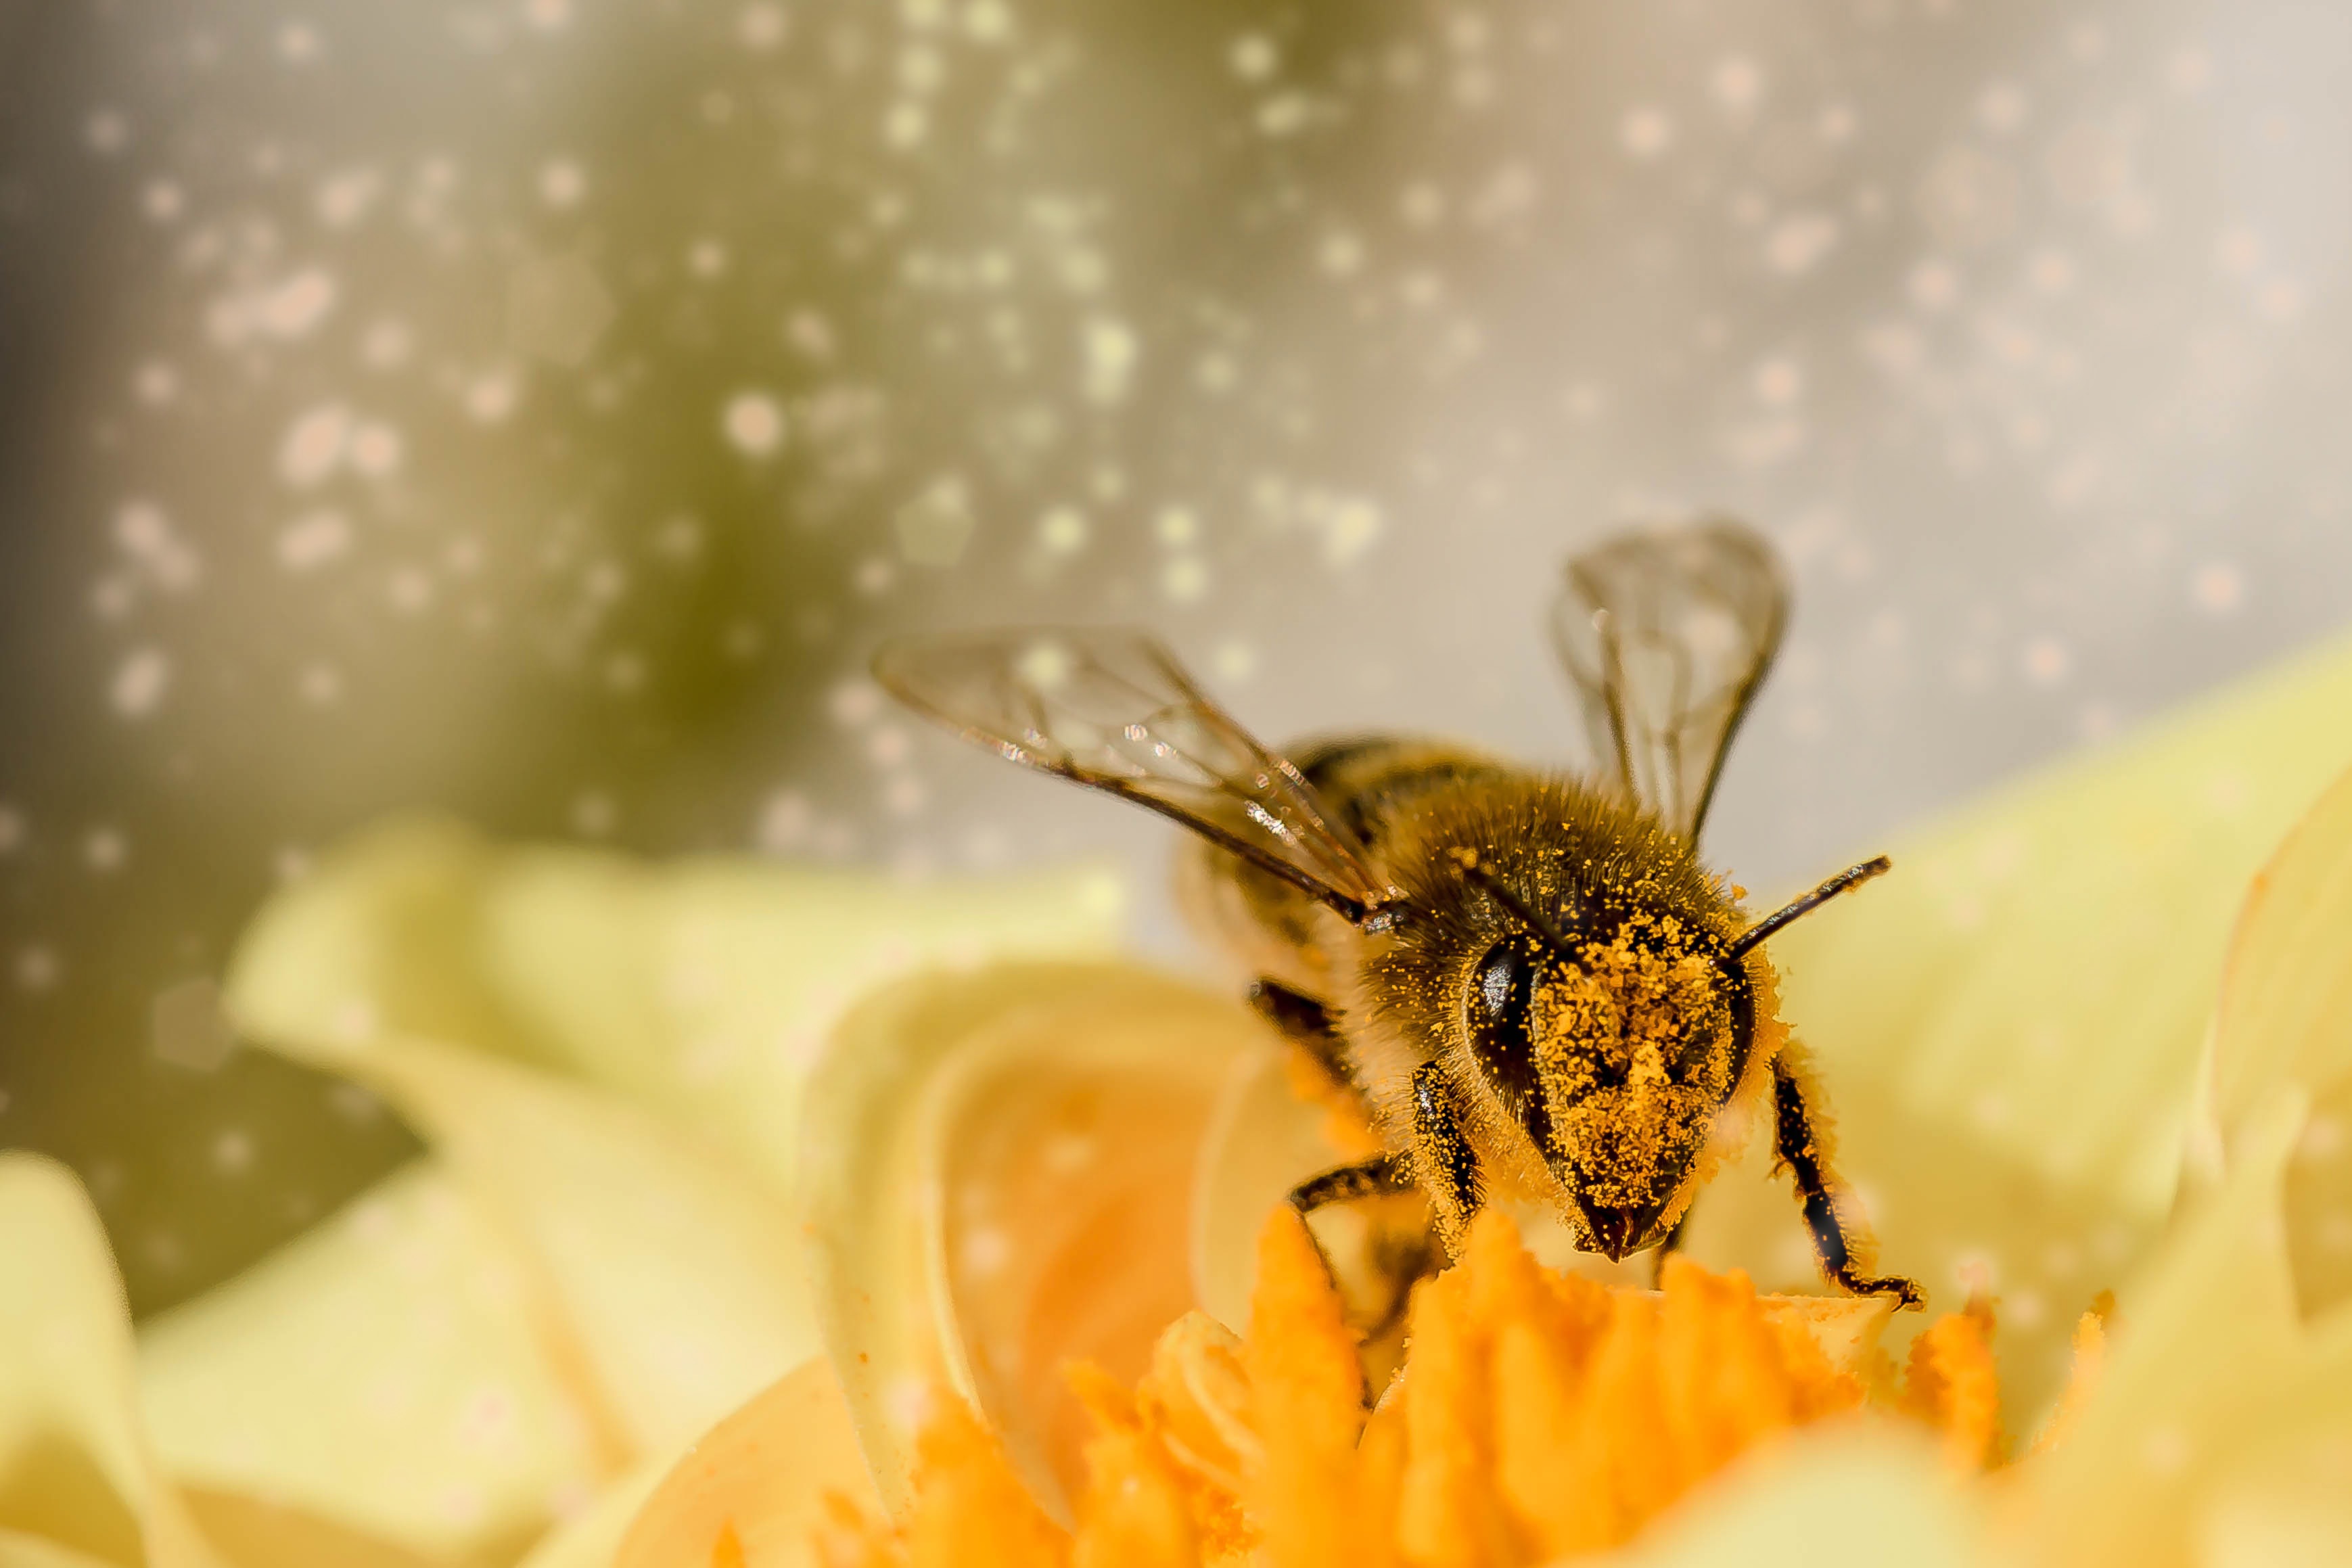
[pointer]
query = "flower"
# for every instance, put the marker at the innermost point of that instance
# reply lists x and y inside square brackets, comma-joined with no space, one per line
[679,1203]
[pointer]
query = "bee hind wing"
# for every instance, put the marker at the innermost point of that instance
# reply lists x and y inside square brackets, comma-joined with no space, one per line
[1668,632]
[1113,709]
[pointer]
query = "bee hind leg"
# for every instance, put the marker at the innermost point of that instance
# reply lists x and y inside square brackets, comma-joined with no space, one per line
[1801,1148]
[1306,1024]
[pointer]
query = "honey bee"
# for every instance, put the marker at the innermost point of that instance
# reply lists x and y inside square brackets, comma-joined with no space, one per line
[1529,980]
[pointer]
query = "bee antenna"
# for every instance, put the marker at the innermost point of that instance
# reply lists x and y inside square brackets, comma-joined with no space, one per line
[1844,881]
[1506,896]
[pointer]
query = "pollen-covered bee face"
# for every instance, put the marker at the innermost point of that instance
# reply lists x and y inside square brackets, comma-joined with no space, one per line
[1615,1063]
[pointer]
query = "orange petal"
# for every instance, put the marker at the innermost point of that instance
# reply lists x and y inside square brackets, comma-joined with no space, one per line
[1951,1383]
[1307,1404]
[1449,1514]
[1134,1512]
[1723,1371]
[2083,1377]
[971,1509]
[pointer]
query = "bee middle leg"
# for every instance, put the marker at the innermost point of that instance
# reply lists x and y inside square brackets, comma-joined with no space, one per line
[1386,1261]
[1799,1148]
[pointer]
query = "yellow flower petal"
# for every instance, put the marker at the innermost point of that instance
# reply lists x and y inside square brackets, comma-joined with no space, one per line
[2211,1381]
[392,1370]
[2298,1518]
[592,1537]
[2287,1020]
[1833,1496]
[700,989]
[760,1478]
[675,1278]
[256,1531]
[476,987]
[78,1481]
[2286,1004]
[999,1166]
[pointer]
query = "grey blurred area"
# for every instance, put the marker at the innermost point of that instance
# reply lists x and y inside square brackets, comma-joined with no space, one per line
[536,409]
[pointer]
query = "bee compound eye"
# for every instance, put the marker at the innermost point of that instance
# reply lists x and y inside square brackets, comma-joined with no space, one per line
[1502,988]
[1502,983]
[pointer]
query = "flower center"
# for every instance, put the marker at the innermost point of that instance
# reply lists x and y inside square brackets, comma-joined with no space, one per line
[1538,1416]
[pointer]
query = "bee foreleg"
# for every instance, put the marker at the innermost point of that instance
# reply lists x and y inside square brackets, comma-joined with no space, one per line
[1443,1158]
[1800,1149]
[1306,1024]
[1666,1249]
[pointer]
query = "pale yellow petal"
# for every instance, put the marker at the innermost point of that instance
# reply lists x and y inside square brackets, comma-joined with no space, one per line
[1000,1166]
[76,1476]
[2277,1491]
[259,1531]
[761,1476]
[592,1538]
[1832,1495]
[392,1371]
[2287,1020]
[473,986]
[702,989]
[674,1277]
[2286,1005]
[2210,1377]
[35,1551]
[2266,1519]
[706,989]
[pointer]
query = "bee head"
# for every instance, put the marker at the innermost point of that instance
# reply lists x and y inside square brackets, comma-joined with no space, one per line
[1614,1056]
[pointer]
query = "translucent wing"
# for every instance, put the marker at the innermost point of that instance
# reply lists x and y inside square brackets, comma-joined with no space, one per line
[1111,709]
[1667,632]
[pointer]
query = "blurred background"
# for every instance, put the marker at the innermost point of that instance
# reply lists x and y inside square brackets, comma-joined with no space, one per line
[535,410]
